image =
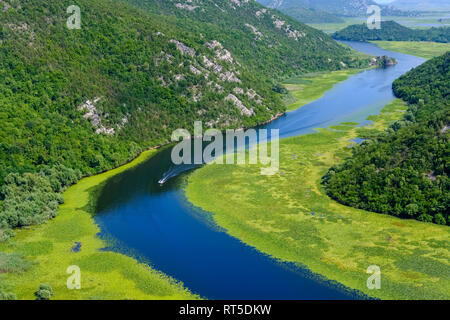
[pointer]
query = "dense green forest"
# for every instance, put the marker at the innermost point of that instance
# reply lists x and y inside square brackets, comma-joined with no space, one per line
[84,101]
[404,171]
[392,31]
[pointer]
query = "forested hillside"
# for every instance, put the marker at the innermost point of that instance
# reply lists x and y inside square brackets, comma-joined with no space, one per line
[422,5]
[311,15]
[405,171]
[392,31]
[266,40]
[77,102]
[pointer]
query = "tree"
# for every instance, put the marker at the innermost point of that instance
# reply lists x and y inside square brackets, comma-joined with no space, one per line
[439,219]
[44,292]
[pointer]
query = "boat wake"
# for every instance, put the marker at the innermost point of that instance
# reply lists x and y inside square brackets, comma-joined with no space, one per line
[175,171]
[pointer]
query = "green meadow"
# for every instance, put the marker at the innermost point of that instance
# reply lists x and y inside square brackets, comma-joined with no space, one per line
[310,87]
[422,49]
[289,216]
[47,250]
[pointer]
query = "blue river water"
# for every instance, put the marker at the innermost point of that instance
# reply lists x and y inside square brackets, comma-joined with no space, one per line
[156,223]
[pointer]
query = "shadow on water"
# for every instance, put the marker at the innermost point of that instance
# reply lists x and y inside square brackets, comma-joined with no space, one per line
[155,221]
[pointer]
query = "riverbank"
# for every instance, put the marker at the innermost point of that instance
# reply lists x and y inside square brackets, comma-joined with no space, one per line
[104,275]
[310,87]
[425,50]
[51,251]
[105,264]
[289,217]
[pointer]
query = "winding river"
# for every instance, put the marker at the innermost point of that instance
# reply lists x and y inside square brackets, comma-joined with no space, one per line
[158,224]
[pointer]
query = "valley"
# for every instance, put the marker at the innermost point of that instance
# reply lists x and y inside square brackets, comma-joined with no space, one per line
[89,185]
[290,217]
[105,195]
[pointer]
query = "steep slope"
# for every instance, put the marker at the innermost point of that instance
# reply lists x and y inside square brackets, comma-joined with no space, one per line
[263,39]
[347,8]
[91,99]
[392,31]
[136,77]
[405,171]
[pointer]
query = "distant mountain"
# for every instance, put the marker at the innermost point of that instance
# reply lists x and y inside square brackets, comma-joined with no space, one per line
[263,39]
[309,15]
[392,31]
[348,8]
[422,5]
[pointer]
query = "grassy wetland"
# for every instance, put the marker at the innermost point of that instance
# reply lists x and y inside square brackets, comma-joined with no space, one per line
[46,251]
[421,49]
[289,217]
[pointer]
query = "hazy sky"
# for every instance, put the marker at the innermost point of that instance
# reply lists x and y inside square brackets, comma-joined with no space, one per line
[384,1]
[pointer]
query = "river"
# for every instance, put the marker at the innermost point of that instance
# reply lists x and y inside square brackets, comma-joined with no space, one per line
[156,223]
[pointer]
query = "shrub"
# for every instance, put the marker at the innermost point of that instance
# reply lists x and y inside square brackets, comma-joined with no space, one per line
[33,198]
[13,263]
[44,292]
[425,218]
[439,219]
[7,296]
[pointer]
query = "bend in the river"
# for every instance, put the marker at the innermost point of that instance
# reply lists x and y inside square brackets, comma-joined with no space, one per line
[157,222]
